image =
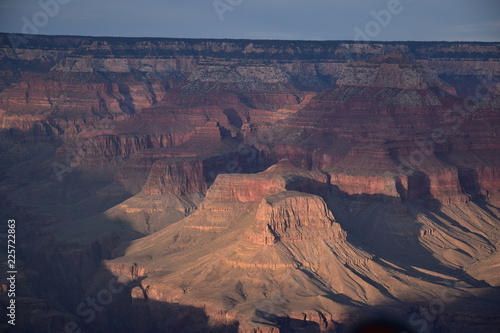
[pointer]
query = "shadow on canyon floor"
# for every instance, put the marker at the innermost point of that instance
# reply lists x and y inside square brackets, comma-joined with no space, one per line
[108,306]
[286,324]
[388,228]
[66,289]
[80,295]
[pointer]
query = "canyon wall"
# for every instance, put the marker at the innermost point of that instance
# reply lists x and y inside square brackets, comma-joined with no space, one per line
[139,157]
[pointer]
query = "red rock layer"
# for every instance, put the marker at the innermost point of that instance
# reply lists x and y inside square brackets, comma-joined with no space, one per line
[293,216]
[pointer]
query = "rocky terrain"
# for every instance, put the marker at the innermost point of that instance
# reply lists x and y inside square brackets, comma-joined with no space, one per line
[251,186]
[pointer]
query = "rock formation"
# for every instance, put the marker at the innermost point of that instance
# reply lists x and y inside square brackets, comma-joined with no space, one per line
[252,186]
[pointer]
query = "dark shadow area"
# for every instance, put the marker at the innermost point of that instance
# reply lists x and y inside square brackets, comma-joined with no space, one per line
[247,159]
[335,297]
[57,278]
[108,306]
[307,185]
[127,102]
[387,228]
[246,100]
[487,207]
[123,307]
[382,325]
[287,324]
[67,289]
[62,280]
[233,117]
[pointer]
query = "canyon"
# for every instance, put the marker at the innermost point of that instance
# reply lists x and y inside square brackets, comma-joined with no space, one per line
[253,186]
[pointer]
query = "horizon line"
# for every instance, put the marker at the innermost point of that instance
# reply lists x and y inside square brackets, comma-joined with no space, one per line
[247,39]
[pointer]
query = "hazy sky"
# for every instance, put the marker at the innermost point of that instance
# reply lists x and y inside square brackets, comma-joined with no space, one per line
[452,20]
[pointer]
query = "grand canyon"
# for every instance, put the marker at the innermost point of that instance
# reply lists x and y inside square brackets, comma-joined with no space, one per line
[252,186]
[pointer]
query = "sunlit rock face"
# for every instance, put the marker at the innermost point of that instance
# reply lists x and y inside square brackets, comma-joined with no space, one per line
[252,186]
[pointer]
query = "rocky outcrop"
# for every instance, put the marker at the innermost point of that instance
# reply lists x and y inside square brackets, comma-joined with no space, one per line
[277,178]
[229,188]
[176,177]
[293,216]
[104,148]
[282,238]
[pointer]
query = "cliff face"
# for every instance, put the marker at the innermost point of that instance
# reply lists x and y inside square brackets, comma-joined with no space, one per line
[282,254]
[168,139]
[315,92]
[293,217]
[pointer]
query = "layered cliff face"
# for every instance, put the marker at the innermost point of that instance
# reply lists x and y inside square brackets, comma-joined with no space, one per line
[292,216]
[259,185]
[283,252]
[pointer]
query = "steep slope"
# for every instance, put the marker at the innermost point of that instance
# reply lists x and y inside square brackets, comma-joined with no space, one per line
[256,246]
